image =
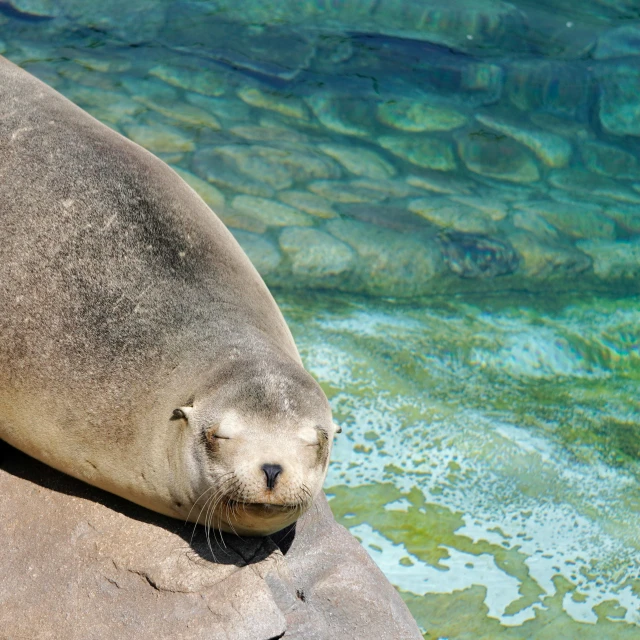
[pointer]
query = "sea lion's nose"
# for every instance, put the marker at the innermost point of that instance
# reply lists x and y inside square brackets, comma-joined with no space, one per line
[271,471]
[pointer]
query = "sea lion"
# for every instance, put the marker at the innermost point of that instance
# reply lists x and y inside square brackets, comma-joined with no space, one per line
[140,351]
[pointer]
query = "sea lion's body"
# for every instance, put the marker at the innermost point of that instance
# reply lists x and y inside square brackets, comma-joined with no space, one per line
[124,297]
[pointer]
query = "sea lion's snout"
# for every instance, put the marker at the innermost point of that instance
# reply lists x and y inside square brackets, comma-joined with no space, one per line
[271,472]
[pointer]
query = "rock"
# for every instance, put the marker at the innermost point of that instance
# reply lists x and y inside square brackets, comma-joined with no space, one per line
[552,149]
[103,60]
[81,563]
[626,216]
[267,133]
[545,259]
[580,182]
[271,213]
[535,224]
[183,113]
[40,8]
[341,191]
[223,108]
[309,202]
[618,43]
[386,188]
[411,115]
[613,259]
[262,252]
[214,167]
[80,75]
[450,215]
[145,89]
[619,106]
[496,156]
[611,161]
[489,206]
[360,161]
[441,183]
[577,220]
[285,105]
[158,137]
[430,153]
[388,215]
[202,81]
[278,166]
[342,115]
[113,107]
[316,255]
[389,263]
[136,22]
[212,196]
[473,255]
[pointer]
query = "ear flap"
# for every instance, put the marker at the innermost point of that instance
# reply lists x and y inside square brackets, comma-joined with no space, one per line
[181,413]
[338,428]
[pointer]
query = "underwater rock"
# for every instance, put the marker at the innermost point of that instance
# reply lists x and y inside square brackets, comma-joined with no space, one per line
[40,8]
[535,224]
[389,263]
[489,206]
[576,220]
[103,60]
[341,191]
[613,259]
[273,214]
[159,138]
[542,259]
[267,132]
[430,153]
[411,115]
[496,156]
[227,109]
[558,87]
[214,167]
[619,105]
[441,183]
[342,115]
[611,161]
[387,188]
[262,252]
[552,149]
[316,255]
[200,80]
[285,105]
[360,161]
[446,214]
[626,216]
[618,43]
[183,113]
[310,203]
[472,255]
[388,215]
[578,181]
[143,89]
[80,75]
[212,196]
[114,107]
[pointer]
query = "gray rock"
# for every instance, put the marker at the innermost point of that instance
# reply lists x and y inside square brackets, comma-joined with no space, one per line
[262,252]
[611,161]
[82,564]
[584,183]
[619,106]
[613,259]
[423,151]
[618,43]
[271,213]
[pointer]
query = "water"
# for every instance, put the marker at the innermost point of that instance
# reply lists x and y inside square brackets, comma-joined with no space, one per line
[444,197]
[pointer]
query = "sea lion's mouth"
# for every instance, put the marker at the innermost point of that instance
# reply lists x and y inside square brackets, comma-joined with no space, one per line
[265,507]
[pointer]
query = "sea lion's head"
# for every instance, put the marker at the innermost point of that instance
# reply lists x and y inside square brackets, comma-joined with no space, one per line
[261,437]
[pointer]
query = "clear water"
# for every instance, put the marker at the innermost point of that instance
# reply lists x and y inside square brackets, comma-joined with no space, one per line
[444,197]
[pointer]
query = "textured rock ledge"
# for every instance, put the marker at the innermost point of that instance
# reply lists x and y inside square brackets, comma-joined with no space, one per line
[82,564]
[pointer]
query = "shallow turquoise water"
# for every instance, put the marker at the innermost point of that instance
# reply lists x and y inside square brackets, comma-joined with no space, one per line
[445,198]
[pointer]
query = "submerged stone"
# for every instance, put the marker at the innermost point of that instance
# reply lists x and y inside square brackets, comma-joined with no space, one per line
[360,161]
[489,206]
[199,80]
[114,107]
[451,215]
[158,137]
[389,263]
[149,89]
[441,183]
[496,156]
[341,191]
[626,216]
[473,255]
[271,213]
[262,252]
[285,105]
[267,133]
[430,153]
[619,105]
[578,181]
[577,220]
[342,115]
[613,259]
[388,215]
[535,224]
[212,196]
[410,115]
[309,203]
[40,8]
[231,110]
[552,149]
[543,258]
[316,255]
[184,113]
[618,43]
[611,161]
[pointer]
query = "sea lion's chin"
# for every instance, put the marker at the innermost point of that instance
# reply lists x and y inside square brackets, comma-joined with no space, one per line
[257,518]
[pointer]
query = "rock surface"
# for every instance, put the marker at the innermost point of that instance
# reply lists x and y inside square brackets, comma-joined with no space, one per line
[80,563]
